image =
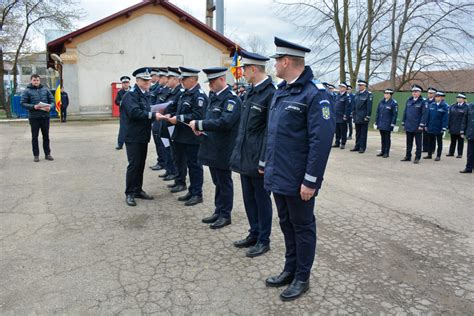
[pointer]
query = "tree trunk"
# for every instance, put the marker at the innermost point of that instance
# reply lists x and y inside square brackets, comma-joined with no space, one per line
[370,18]
[342,41]
[393,66]
[3,99]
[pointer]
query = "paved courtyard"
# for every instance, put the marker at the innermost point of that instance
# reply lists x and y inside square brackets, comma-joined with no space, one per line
[393,237]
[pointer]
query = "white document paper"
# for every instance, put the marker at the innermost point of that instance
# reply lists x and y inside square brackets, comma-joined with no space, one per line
[171,130]
[161,107]
[166,142]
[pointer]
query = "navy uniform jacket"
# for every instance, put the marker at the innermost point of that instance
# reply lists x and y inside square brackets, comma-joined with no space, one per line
[362,107]
[414,114]
[119,98]
[191,105]
[173,97]
[387,112]
[456,114]
[154,90]
[300,131]
[161,95]
[342,107]
[467,126]
[64,100]
[137,116]
[220,124]
[249,149]
[437,117]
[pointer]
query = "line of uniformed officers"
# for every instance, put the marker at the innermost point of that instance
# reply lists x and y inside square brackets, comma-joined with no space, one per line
[278,140]
[425,121]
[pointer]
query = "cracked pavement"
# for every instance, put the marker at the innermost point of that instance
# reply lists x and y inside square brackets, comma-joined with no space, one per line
[393,237]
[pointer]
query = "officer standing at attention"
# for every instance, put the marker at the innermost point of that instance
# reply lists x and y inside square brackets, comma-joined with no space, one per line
[456,114]
[300,132]
[414,122]
[342,112]
[219,128]
[173,96]
[191,106]
[349,121]
[467,131]
[158,94]
[125,80]
[155,84]
[249,154]
[430,99]
[385,121]
[138,119]
[361,111]
[437,120]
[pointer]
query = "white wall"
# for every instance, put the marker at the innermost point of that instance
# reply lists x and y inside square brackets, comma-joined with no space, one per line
[149,40]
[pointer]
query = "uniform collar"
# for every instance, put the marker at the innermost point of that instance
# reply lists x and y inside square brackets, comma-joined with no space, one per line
[218,93]
[261,85]
[306,76]
[196,86]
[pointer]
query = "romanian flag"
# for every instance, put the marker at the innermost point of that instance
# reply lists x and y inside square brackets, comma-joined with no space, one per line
[236,67]
[57,99]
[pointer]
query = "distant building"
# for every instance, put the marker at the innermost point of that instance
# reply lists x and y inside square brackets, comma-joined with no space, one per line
[150,33]
[461,80]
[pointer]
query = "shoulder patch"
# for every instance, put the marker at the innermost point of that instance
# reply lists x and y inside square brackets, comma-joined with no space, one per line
[320,86]
[324,102]
[326,112]
[200,102]
[200,90]
[230,106]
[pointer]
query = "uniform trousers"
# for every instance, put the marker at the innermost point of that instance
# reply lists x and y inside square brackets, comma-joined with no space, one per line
[410,136]
[136,155]
[160,147]
[258,207]
[341,133]
[186,157]
[456,139]
[298,225]
[361,136]
[470,154]
[224,192]
[386,141]
[434,139]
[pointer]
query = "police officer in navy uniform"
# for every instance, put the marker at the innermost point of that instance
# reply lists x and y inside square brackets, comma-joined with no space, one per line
[219,128]
[331,89]
[430,99]
[158,94]
[249,153]
[155,84]
[414,122]
[125,80]
[456,114]
[437,120]
[387,112]
[467,132]
[361,111]
[300,131]
[342,112]
[190,107]
[138,119]
[349,121]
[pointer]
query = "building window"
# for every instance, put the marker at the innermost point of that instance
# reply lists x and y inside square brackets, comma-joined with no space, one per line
[41,71]
[26,70]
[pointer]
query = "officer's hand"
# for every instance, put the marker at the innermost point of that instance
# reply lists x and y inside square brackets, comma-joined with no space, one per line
[462,135]
[192,124]
[159,116]
[344,118]
[420,128]
[197,133]
[260,171]
[306,193]
[173,120]
[167,116]
[366,119]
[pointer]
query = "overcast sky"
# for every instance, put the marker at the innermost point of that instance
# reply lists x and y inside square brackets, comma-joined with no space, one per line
[243,18]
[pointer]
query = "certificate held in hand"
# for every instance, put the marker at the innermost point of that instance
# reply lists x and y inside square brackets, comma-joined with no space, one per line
[160,107]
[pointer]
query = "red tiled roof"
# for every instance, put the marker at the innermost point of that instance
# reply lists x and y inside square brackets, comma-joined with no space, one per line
[57,46]
[461,80]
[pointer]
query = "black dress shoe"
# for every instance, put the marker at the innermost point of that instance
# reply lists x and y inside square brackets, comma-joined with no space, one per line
[164,175]
[459,156]
[36,159]
[118,147]
[343,146]
[169,177]
[185,197]
[427,157]
[295,290]
[282,279]
[361,151]
[246,242]
[257,250]
[355,149]
[465,171]
[178,188]
[406,159]
[130,200]
[193,200]
[385,156]
[417,161]
[449,155]
[172,185]
[221,222]
[335,146]
[379,155]
[210,219]
[437,159]
[143,195]
[157,167]
[49,157]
